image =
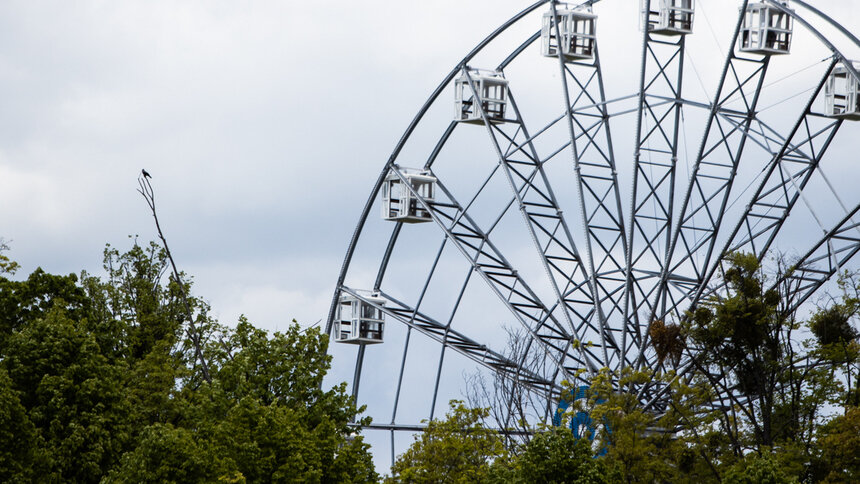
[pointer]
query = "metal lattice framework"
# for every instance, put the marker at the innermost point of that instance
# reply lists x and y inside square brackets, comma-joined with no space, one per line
[603,274]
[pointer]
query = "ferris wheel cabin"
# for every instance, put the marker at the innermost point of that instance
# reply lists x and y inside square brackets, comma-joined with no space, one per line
[766,30]
[491,89]
[400,204]
[359,320]
[668,17]
[576,29]
[842,93]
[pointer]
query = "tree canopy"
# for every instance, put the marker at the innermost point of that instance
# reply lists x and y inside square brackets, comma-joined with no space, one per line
[126,378]
[769,399]
[100,382]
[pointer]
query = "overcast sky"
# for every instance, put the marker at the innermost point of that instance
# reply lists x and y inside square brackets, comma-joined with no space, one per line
[263,124]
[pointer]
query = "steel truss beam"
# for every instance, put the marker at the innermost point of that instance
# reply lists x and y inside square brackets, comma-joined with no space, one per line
[827,257]
[543,219]
[461,343]
[790,169]
[712,177]
[597,182]
[475,245]
[655,160]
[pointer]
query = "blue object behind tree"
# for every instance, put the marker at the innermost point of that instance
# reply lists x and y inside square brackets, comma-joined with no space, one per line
[581,423]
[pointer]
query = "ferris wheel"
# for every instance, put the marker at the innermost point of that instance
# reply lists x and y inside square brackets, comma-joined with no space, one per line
[560,198]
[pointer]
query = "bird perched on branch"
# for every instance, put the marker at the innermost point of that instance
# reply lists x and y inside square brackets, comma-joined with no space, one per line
[145,173]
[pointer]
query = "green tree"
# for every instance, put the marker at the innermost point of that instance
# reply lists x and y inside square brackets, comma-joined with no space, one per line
[456,449]
[267,415]
[838,341]
[775,387]
[840,444]
[740,342]
[758,469]
[165,454]
[73,395]
[642,446]
[745,347]
[25,301]
[17,435]
[553,456]
[100,379]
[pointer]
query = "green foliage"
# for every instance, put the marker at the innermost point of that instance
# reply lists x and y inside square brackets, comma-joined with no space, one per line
[268,416]
[7,266]
[166,454]
[17,435]
[456,449]
[778,388]
[99,380]
[840,444]
[757,469]
[151,312]
[73,395]
[643,447]
[745,350]
[31,299]
[286,368]
[832,325]
[556,456]
[742,332]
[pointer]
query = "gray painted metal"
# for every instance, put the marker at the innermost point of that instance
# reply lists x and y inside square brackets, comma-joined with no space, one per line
[788,173]
[703,206]
[543,218]
[600,202]
[656,156]
[596,294]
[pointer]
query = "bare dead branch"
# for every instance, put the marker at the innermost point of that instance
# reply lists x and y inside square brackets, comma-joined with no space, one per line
[149,195]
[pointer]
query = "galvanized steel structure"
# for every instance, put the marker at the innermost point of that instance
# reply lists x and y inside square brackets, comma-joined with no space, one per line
[616,270]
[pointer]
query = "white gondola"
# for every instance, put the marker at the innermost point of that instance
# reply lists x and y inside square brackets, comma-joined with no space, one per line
[842,93]
[668,17]
[399,204]
[359,320]
[766,29]
[491,87]
[576,27]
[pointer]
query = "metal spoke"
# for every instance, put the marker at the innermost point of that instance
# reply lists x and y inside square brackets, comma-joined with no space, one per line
[600,202]
[542,216]
[827,257]
[655,159]
[703,206]
[787,174]
[504,281]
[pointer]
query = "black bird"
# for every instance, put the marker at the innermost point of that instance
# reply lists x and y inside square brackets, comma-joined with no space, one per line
[146,174]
